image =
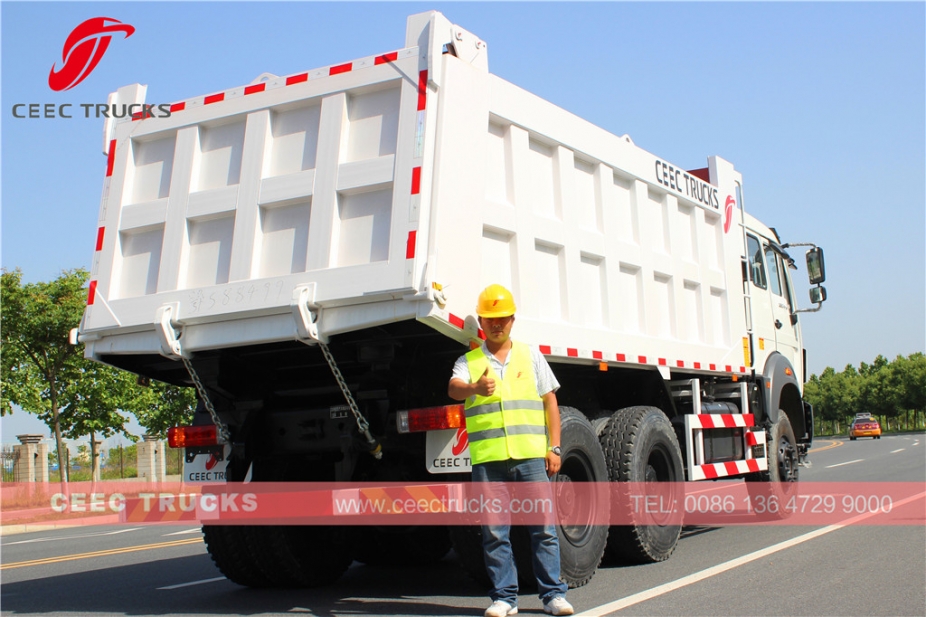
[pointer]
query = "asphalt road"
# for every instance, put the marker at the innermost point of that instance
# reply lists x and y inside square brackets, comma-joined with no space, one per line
[733,570]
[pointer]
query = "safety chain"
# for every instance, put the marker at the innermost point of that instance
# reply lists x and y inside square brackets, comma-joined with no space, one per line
[222,430]
[375,448]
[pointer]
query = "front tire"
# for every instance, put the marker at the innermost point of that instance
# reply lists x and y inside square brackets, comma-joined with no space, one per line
[773,489]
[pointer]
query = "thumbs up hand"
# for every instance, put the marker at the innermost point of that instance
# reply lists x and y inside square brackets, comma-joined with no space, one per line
[486,385]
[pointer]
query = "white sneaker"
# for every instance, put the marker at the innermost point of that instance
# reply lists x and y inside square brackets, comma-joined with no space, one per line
[500,608]
[558,606]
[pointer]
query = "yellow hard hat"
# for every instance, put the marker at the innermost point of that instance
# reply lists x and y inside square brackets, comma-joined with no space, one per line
[495,301]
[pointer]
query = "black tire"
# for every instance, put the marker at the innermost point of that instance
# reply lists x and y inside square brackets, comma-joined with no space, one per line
[599,424]
[227,545]
[582,544]
[299,556]
[851,438]
[772,490]
[401,546]
[640,446]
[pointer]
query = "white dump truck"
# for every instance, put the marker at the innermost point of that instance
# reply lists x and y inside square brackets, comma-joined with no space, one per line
[308,249]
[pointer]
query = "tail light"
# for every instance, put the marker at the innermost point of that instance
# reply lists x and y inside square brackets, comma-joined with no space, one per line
[430,419]
[192,436]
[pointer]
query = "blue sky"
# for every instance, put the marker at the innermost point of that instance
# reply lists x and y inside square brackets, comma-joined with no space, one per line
[821,106]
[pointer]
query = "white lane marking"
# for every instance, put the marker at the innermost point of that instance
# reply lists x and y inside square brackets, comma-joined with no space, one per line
[896,451]
[84,535]
[185,531]
[858,460]
[190,584]
[604,609]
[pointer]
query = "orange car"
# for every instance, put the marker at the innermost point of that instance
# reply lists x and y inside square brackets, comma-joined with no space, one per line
[864,426]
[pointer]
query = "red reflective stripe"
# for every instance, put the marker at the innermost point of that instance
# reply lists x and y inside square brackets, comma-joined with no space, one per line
[392,57]
[751,439]
[297,79]
[621,357]
[709,472]
[753,464]
[91,293]
[546,350]
[457,321]
[214,98]
[572,353]
[713,367]
[680,363]
[416,180]
[697,365]
[410,245]
[177,107]
[99,238]
[662,361]
[732,468]
[341,68]
[255,88]
[706,421]
[422,89]
[111,158]
[750,419]
[641,359]
[597,355]
[729,369]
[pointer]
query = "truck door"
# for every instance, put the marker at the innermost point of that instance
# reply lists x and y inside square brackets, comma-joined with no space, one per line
[787,337]
[763,330]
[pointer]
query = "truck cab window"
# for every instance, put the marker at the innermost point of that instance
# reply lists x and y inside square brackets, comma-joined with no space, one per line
[756,262]
[771,258]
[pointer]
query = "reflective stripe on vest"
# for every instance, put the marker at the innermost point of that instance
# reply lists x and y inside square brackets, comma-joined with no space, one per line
[510,424]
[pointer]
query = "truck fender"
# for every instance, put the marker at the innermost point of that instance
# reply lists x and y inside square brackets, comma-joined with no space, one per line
[779,376]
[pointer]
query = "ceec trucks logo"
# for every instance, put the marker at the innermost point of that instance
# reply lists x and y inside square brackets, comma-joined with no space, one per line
[83,50]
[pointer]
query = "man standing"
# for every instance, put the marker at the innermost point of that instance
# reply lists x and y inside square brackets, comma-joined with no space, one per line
[513,423]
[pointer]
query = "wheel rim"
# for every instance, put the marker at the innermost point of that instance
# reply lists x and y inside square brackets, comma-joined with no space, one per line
[571,503]
[657,474]
[787,460]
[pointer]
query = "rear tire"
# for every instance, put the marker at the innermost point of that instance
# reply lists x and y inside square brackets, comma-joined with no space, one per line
[227,545]
[582,544]
[640,447]
[401,546]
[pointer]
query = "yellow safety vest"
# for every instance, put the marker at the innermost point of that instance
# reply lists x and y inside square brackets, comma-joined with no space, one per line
[510,424]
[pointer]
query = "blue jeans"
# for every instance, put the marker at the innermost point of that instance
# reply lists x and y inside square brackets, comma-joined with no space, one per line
[496,540]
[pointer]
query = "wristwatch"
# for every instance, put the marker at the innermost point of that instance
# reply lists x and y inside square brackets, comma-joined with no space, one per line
[556,450]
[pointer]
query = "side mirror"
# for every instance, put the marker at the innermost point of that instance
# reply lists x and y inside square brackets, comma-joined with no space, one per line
[817,294]
[816,271]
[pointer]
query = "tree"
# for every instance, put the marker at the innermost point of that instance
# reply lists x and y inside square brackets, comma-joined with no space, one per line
[92,404]
[38,359]
[165,406]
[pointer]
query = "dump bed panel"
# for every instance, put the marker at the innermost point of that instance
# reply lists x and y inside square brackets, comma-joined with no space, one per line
[306,185]
[612,253]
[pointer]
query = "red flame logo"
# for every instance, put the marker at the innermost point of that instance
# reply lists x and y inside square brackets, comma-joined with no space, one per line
[728,213]
[462,441]
[83,50]
[212,462]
